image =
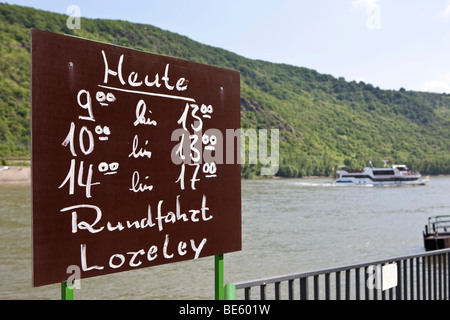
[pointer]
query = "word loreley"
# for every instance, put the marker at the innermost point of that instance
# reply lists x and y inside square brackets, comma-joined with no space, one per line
[123,185]
[117,260]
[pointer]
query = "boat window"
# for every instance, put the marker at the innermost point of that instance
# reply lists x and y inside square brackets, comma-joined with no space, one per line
[383,172]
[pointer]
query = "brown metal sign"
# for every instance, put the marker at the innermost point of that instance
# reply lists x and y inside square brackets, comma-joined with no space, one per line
[133,159]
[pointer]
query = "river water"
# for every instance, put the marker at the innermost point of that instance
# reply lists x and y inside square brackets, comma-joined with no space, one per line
[288,226]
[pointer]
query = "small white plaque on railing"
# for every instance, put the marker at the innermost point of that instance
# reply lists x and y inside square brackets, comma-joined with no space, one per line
[389,276]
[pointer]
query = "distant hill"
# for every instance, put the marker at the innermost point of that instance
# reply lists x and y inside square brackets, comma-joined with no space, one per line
[323,121]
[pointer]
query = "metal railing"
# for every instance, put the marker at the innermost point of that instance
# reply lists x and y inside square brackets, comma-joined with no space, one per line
[438,224]
[422,276]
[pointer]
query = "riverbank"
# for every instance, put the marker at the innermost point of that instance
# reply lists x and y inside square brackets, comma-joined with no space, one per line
[22,174]
[15,174]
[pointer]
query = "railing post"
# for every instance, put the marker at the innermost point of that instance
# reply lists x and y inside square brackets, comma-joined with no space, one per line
[405,280]
[418,278]
[218,272]
[262,290]
[327,286]
[338,285]
[398,289]
[366,286]
[357,284]
[230,291]
[411,277]
[291,289]
[424,278]
[448,273]
[434,278]
[429,277]
[347,284]
[67,292]
[445,266]
[277,291]
[316,287]
[304,288]
[247,293]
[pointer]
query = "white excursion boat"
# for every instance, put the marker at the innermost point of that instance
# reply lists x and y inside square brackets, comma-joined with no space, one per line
[395,175]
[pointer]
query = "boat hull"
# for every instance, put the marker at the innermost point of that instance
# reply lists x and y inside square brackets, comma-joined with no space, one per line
[437,235]
[397,175]
[370,182]
[436,242]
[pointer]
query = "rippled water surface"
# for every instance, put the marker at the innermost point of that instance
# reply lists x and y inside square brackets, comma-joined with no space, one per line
[288,226]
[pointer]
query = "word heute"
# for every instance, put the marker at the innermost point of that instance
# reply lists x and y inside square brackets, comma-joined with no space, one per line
[133,77]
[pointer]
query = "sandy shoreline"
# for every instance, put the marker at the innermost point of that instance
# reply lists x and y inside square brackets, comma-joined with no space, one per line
[13,174]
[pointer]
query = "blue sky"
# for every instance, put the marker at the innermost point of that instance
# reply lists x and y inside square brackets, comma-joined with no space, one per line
[388,43]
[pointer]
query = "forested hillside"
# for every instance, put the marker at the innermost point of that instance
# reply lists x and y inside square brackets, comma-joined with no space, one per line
[323,121]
